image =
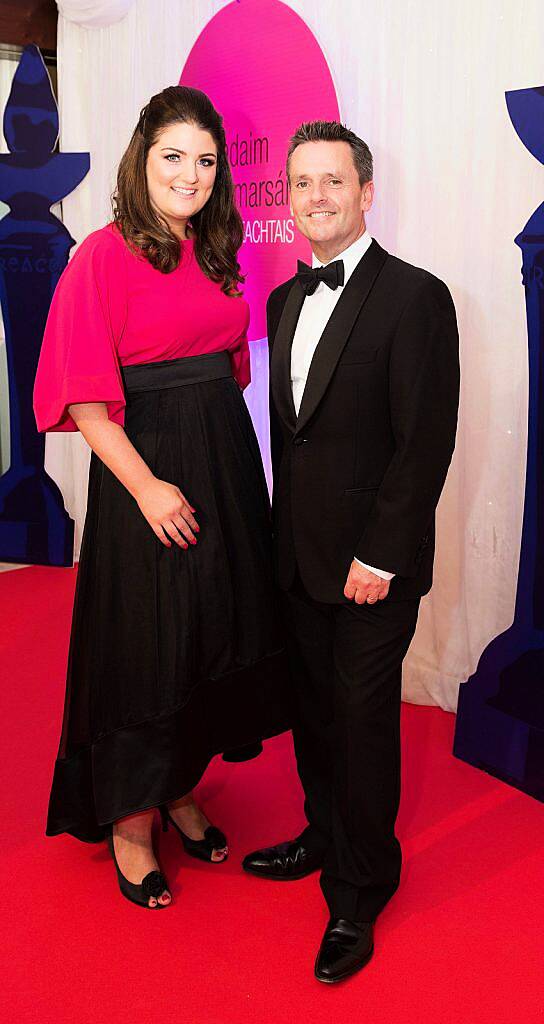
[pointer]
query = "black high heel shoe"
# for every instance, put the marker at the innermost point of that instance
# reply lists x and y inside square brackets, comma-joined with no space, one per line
[202,849]
[151,887]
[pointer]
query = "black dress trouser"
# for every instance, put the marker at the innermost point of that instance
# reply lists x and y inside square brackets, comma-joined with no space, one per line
[347,661]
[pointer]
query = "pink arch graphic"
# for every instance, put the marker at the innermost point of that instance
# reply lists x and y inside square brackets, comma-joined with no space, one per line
[265,72]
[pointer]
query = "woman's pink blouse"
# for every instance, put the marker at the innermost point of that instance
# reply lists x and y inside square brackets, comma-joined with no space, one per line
[112,309]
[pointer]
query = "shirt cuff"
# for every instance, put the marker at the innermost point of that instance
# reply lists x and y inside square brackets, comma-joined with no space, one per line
[377,572]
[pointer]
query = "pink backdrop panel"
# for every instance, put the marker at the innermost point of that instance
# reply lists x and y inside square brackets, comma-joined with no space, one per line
[265,72]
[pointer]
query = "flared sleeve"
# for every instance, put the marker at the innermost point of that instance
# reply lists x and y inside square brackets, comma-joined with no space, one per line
[240,358]
[78,360]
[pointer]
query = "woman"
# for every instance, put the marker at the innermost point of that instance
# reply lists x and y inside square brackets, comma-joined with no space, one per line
[174,655]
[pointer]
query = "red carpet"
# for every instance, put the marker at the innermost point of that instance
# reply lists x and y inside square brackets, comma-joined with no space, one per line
[462,942]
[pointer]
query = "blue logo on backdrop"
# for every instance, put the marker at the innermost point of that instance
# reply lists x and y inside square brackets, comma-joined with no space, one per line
[500,720]
[34,247]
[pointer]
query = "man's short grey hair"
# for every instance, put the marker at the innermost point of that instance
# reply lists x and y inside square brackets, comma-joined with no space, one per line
[333,131]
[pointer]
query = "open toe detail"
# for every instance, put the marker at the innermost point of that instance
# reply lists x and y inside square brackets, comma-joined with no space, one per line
[203,849]
[215,838]
[151,887]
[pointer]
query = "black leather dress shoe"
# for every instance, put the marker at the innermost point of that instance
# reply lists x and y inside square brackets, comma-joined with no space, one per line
[285,862]
[347,946]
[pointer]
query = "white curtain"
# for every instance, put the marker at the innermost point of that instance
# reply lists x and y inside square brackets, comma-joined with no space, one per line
[94,13]
[424,84]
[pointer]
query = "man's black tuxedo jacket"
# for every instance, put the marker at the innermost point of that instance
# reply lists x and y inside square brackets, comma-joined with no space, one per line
[360,471]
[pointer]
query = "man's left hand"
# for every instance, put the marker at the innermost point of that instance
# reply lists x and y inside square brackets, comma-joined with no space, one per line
[363,586]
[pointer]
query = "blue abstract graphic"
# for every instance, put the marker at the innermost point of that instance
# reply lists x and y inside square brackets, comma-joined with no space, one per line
[34,247]
[500,720]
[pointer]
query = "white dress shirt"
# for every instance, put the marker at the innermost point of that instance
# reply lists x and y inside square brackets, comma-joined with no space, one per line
[314,315]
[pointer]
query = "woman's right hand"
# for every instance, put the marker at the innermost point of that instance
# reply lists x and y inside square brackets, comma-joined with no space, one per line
[168,512]
[166,509]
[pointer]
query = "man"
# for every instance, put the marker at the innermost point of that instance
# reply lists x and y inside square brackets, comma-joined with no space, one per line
[364,394]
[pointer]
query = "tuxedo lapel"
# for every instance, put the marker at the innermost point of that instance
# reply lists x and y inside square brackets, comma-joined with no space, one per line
[280,364]
[336,333]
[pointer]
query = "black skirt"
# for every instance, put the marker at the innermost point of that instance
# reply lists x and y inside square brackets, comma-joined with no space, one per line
[174,654]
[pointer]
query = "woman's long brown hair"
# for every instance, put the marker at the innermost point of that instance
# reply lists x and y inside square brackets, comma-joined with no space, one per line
[217,226]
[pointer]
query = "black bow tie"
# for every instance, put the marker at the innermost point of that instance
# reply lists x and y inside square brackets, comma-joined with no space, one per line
[332,274]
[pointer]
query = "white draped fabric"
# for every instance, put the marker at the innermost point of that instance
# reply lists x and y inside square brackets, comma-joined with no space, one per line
[424,84]
[94,13]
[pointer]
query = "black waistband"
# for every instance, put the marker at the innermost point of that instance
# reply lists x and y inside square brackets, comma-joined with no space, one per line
[176,373]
